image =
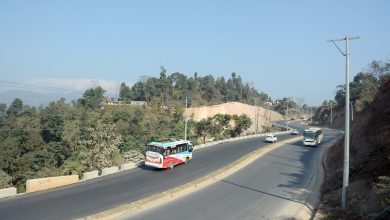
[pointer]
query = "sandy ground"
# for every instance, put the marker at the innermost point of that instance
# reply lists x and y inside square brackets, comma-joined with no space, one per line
[231,108]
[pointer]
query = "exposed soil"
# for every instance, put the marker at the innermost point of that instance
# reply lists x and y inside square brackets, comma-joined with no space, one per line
[369,188]
[231,108]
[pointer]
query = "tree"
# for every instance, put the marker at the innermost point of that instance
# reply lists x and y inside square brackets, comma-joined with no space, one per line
[53,128]
[380,70]
[5,180]
[16,108]
[125,93]
[202,128]
[93,97]
[99,145]
[3,109]
[242,123]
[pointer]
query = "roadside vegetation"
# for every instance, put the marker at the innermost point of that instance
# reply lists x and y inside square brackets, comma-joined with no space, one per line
[369,186]
[87,134]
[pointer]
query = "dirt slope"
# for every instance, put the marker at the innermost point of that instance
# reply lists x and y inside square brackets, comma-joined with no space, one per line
[231,108]
[369,189]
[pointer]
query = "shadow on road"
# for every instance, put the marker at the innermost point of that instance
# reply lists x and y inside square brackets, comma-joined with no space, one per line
[265,193]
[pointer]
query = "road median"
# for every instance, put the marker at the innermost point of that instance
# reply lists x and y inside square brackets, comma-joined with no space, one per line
[133,208]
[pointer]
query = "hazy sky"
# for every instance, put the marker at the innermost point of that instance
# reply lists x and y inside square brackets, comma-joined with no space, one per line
[280,46]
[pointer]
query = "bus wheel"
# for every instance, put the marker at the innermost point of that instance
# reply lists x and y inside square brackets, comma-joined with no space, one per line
[186,160]
[171,165]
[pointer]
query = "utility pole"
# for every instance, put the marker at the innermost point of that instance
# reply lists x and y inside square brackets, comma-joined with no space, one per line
[351,111]
[287,118]
[331,115]
[185,124]
[344,202]
[311,115]
[272,128]
[256,115]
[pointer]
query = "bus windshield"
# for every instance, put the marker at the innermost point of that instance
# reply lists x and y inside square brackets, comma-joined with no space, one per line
[311,135]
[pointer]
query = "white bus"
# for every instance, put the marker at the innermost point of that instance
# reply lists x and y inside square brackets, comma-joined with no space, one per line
[312,137]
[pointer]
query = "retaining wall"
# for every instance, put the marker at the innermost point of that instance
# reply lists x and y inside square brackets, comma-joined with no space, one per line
[109,170]
[128,166]
[39,184]
[6,192]
[90,175]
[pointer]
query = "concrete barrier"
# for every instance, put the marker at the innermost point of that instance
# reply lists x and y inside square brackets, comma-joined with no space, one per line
[39,184]
[127,166]
[90,175]
[109,170]
[6,192]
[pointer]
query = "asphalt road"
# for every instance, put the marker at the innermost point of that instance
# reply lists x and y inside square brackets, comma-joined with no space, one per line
[276,186]
[107,192]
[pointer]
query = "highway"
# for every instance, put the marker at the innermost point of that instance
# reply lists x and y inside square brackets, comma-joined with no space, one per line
[276,186]
[89,197]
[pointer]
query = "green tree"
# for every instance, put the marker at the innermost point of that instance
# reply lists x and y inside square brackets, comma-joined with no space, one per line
[16,108]
[5,180]
[52,128]
[3,110]
[202,128]
[125,93]
[93,97]
[99,146]
[242,123]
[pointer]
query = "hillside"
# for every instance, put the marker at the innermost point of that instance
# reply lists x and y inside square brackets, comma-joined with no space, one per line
[231,108]
[369,189]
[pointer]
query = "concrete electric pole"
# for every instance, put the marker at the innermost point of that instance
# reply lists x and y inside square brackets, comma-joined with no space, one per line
[344,202]
[185,124]
[351,111]
[331,115]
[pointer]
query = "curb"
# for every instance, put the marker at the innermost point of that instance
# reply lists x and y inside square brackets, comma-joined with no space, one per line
[152,201]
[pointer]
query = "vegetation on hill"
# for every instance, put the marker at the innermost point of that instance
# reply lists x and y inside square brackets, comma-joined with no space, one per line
[363,90]
[70,138]
[369,194]
[168,90]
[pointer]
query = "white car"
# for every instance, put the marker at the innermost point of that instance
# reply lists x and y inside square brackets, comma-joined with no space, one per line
[294,132]
[271,138]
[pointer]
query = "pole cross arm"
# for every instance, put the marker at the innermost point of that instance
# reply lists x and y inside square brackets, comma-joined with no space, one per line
[337,47]
[342,39]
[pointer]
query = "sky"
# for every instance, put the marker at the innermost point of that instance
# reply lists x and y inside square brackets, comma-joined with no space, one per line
[279,46]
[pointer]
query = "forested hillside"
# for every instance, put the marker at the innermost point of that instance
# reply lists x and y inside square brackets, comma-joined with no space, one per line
[363,89]
[167,90]
[87,134]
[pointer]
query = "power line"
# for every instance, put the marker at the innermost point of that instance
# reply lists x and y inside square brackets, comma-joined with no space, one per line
[11,84]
